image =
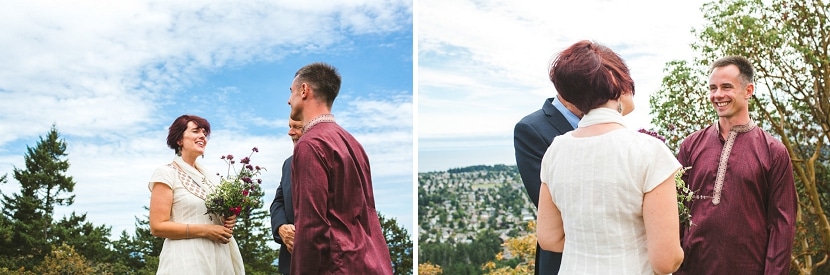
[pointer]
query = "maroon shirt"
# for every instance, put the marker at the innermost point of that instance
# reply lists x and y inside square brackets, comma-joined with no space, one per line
[338,231]
[744,218]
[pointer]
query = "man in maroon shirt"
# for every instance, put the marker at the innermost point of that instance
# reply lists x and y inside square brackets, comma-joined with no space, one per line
[337,225]
[744,209]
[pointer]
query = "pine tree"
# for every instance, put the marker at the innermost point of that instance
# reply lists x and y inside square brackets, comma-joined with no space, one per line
[139,252]
[87,239]
[43,185]
[252,233]
[6,230]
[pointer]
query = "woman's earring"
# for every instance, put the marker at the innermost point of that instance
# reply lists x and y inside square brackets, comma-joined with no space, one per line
[619,107]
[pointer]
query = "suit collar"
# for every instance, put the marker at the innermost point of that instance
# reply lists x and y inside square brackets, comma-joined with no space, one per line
[555,118]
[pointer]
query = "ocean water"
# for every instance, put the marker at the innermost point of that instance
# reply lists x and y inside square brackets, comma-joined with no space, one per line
[444,157]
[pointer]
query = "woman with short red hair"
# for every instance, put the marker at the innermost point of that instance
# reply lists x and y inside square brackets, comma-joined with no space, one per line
[608,199]
[194,242]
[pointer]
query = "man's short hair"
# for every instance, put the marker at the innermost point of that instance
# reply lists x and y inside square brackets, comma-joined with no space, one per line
[323,79]
[745,68]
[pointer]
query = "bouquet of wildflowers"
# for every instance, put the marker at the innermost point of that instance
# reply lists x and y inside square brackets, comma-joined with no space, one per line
[684,194]
[238,193]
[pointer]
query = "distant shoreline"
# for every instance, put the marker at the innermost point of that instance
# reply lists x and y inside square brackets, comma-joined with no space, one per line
[445,159]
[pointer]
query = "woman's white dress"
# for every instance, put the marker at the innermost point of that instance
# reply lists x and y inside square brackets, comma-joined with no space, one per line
[193,255]
[598,184]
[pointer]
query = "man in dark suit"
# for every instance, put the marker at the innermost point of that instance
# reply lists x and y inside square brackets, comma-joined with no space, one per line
[282,209]
[531,138]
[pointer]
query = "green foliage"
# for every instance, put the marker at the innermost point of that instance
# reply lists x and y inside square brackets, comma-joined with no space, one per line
[6,230]
[684,197]
[237,194]
[43,185]
[462,258]
[463,212]
[519,255]
[681,106]
[240,193]
[492,168]
[787,42]
[253,233]
[33,242]
[64,260]
[138,252]
[400,245]
[87,239]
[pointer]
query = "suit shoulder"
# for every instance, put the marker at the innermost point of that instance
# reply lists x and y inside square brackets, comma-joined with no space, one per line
[532,118]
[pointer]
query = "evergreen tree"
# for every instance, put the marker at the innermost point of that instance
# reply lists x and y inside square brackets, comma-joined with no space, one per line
[6,231]
[139,252]
[400,245]
[87,239]
[43,185]
[252,233]
[127,253]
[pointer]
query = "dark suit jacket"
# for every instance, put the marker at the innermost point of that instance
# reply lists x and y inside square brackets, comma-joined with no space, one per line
[282,212]
[531,138]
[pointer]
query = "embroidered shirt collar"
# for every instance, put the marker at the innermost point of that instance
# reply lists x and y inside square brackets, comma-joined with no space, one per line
[317,120]
[737,128]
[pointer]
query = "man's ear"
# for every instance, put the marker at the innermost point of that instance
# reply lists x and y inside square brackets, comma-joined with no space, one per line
[304,92]
[750,89]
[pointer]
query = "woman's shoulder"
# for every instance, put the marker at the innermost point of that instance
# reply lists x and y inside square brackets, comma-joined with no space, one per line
[165,174]
[166,168]
[166,171]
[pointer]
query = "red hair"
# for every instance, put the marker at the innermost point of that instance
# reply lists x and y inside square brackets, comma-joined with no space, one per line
[176,130]
[588,74]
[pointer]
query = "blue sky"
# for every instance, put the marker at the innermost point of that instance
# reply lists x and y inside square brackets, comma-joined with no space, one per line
[482,65]
[112,76]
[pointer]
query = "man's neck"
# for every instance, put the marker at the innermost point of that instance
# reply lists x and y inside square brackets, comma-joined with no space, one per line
[725,124]
[311,115]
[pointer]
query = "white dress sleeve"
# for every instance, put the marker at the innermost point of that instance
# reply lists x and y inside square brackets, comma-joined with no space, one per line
[662,165]
[165,175]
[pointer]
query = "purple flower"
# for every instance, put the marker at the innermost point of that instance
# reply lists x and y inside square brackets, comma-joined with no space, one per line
[652,133]
[237,192]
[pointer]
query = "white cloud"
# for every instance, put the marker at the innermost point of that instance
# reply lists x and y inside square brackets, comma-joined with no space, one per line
[98,58]
[107,72]
[483,65]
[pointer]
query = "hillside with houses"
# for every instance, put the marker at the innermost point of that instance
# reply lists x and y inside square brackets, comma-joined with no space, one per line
[470,209]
